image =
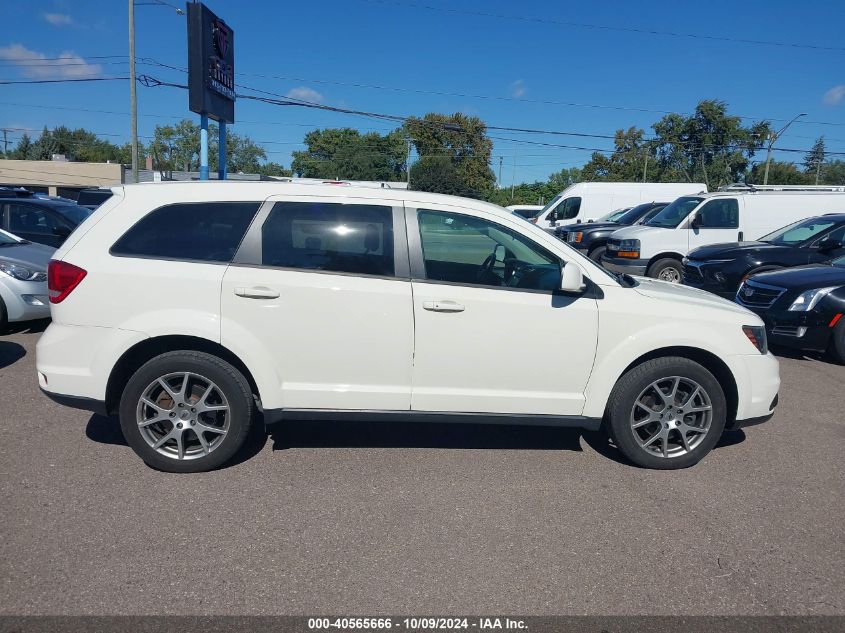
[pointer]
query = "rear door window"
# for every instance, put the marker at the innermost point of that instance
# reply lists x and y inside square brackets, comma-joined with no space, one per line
[191,231]
[344,238]
[32,219]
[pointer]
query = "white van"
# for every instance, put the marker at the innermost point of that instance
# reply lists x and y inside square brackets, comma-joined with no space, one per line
[586,201]
[657,248]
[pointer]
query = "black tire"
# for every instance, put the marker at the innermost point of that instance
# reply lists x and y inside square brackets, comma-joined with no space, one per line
[4,317]
[837,343]
[666,267]
[622,403]
[228,381]
[596,254]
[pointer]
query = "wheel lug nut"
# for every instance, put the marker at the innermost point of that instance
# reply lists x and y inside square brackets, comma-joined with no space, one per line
[193,410]
[193,422]
[181,405]
[178,425]
[172,415]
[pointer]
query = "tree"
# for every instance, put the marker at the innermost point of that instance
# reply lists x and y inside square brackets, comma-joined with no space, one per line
[780,173]
[814,159]
[438,174]
[23,150]
[625,163]
[346,154]
[273,169]
[833,173]
[460,139]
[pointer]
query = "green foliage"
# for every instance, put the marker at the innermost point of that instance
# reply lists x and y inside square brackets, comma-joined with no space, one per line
[438,174]
[78,145]
[780,173]
[708,146]
[814,159]
[346,154]
[459,139]
[833,173]
[273,169]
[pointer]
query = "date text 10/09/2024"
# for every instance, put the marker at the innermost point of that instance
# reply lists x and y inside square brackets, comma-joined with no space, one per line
[413,624]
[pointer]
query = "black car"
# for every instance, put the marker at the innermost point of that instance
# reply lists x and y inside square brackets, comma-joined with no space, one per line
[93,198]
[803,307]
[591,237]
[721,268]
[43,221]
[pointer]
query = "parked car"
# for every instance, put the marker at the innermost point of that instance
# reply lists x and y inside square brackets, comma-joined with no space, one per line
[721,268]
[93,198]
[591,238]
[525,211]
[23,280]
[586,201]
[47,222]
[802,307]
[657,248]
[185,308]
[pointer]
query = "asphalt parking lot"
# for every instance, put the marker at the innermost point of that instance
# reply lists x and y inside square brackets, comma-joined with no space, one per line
[367,519]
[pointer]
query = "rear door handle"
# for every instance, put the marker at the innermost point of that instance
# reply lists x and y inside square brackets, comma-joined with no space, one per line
[443,306]
[257,292]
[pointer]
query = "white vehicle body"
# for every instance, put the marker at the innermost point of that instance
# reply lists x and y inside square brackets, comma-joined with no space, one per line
[317,342]
[742,216]
[589,201]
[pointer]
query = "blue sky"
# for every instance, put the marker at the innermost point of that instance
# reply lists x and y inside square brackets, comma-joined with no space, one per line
[426,58]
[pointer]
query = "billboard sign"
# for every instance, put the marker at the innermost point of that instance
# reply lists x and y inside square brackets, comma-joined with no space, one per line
[211,64]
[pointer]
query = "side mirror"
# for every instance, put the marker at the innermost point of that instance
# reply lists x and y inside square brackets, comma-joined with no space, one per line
[61,231]
[829,244]
[572,279]
[696,222]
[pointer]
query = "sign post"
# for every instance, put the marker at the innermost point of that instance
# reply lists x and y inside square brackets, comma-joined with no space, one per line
[211,78]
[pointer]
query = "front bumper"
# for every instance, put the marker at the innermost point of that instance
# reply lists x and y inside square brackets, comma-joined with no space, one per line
[758,383]
[808,331]
[625,265]
[24,300]
[714,288]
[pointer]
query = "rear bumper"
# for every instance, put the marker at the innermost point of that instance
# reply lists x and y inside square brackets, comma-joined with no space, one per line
[74,402]
[625,266]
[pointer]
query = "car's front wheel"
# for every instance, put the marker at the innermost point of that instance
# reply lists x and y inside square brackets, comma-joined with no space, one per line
[186,411]
[666,269]
[666,413]
[597,253]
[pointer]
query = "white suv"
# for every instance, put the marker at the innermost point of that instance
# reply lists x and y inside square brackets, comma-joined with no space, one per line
[195,310]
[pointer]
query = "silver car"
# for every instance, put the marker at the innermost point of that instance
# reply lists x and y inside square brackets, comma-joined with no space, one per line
[23,280]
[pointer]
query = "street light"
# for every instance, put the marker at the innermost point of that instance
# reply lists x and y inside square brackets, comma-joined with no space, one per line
[772,139]
[133,97]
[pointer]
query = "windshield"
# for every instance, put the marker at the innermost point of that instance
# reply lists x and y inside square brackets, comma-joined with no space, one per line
[839,261]
[613,216]
[7,239]
[552,203]
[72,212]
[634,213]
[675,213]
[798,231]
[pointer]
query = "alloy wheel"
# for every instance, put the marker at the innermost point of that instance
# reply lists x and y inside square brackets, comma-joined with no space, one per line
[671,416]
[672,275]
[183,415]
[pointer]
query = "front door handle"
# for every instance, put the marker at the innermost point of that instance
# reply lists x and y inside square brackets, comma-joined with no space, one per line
[257,292]
[443,306]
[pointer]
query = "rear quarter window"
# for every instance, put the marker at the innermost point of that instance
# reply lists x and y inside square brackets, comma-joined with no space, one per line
[193,231]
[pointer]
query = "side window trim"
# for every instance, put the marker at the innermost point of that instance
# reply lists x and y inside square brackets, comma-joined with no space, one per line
[250,252]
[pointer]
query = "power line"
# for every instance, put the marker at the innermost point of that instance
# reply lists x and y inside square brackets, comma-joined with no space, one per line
[607,27]
[60,81]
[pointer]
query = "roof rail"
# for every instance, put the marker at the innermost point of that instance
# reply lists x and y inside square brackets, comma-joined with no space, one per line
[741,186]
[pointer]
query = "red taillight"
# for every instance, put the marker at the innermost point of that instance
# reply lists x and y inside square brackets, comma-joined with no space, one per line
[62,278]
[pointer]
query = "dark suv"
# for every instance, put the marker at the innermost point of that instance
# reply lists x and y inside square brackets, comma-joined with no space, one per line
[590,238]
[46,222]
[721,268]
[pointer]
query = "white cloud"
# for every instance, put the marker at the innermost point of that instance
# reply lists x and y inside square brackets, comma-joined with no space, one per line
[305,94]
[835,95]
[518,89]
[57,19]
[35,65]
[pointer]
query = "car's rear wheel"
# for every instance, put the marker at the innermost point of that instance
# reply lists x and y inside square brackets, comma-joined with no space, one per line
[666,413]
[597,253]
[666,269]
[186,412]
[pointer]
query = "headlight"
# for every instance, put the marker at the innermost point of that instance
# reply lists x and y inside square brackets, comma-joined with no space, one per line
[808,299]
[757,335]
[21,273]
[629,248]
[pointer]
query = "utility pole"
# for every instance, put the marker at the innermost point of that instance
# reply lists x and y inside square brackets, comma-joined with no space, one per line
[513,173]
[772,139]
[645,166]
[6,150]
[818,164]
[408,165]
[133,98]
[501,160]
